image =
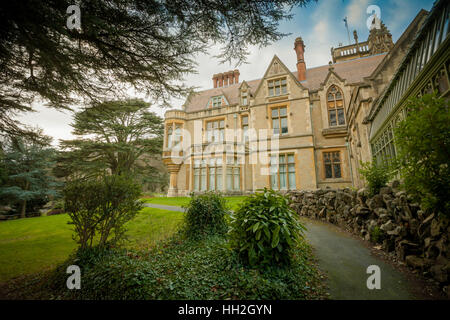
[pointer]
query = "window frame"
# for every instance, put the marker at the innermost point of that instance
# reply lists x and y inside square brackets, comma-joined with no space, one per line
[335,108]
[332,163]
[172,136]
[233,165]
[286,164]
[220,130]
[216,101]
[272,84]
[244,95]
[279,117]
[245,127]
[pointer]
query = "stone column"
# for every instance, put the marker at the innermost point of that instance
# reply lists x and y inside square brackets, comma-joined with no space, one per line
[173,170]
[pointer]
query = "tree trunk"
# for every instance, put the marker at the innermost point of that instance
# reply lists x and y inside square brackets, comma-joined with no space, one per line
[23,209]
[24,203]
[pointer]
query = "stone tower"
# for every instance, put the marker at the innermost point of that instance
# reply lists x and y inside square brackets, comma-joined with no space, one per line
[380,38]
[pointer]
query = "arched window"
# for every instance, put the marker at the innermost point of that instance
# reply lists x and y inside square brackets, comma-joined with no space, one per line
[335,106]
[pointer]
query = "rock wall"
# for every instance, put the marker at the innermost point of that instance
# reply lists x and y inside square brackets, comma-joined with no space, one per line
[390,218]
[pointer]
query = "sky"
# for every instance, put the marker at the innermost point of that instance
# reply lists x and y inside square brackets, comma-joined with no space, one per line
[321,26]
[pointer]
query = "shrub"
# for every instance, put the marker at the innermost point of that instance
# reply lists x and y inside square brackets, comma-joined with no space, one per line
[107,274]
[376,176]
[205,215]
[423,144]
[101,207]
[376,235]
[185,269]
[264,229]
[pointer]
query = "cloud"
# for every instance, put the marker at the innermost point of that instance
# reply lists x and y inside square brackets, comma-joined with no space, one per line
[356,13]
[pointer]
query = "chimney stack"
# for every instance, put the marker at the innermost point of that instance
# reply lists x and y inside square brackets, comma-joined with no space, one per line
[225,79]
[236,76]
[299,48]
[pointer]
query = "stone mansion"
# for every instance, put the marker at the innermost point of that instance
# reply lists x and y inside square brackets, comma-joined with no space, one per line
[309,128]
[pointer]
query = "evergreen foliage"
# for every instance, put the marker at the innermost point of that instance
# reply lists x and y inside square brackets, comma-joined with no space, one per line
[423,143]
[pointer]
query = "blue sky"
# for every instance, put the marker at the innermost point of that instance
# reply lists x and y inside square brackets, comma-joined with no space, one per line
[321,26]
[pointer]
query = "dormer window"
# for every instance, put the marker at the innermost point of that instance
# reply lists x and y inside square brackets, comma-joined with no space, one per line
[277,87]
[217,102]
[244,98]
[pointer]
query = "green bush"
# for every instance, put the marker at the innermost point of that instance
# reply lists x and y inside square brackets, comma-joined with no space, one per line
[376,175]
[101,207]
[423,144]
[106,274]
[377,235]
[186,269]
[264,229]
[205,215]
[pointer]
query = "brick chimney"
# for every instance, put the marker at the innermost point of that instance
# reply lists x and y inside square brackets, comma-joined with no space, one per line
[299,48]
[225,79]
[236,75]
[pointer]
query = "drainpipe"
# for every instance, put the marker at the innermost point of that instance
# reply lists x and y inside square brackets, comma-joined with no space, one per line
[349,162]
[314,139]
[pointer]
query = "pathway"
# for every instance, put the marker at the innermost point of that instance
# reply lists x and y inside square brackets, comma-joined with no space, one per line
[163,206]
[345,261]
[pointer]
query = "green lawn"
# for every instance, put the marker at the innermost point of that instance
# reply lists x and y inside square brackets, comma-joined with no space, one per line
[233,201]
[34,244]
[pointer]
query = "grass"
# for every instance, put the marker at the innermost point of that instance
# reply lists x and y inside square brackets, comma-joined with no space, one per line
[232,201]
[34,244]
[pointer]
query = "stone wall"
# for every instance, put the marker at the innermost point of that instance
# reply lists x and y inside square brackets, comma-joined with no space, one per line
[391,219]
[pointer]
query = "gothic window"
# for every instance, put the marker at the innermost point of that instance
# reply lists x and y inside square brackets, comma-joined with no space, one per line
[282,172]
[279,120]
[335,106]
[332,163]
[277,87]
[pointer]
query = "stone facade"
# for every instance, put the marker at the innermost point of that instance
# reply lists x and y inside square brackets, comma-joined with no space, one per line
[312,118]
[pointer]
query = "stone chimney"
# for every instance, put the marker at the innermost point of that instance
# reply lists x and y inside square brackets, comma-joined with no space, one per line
[299,48]
[225,79]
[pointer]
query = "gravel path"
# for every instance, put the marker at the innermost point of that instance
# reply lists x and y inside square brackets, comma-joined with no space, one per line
[164,207]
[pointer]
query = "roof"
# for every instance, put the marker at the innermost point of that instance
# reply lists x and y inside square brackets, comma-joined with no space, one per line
[353,71]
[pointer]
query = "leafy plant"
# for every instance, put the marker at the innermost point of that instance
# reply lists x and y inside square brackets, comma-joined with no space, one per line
[185,269]
[264,229]
[376,175]
[376,235]
[423,143]
[101,207]
[205,215]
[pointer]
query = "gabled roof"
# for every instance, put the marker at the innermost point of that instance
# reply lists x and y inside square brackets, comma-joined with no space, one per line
[352,71]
